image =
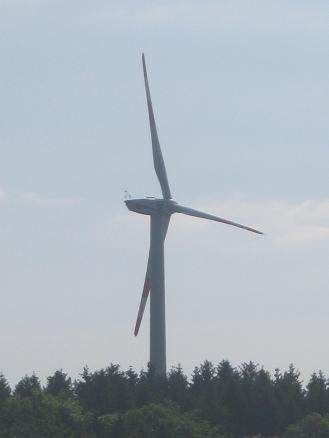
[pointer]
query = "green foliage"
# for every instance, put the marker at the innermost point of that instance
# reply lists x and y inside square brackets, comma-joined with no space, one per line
[312,426]
[104,391]
[157,421]
[218,401]
[42,415]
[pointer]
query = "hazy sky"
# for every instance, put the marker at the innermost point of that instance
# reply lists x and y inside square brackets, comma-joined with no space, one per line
[240,91]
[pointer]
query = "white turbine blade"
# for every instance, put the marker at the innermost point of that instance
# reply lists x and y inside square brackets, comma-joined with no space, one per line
[200,214]
[157,154]
[146,288]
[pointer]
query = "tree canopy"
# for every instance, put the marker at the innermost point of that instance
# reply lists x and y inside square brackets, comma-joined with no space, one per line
[217,401]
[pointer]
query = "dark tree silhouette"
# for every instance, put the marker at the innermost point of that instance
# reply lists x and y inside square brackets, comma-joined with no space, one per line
[27,386]
[317,395]
[5,390]
[59,384]
[217,401]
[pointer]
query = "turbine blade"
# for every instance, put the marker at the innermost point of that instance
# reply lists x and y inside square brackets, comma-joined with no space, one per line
[145,294]
[159,165]
[200,214]
[146,287]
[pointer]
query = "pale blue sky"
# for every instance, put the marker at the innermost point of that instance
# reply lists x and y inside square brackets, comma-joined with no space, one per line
[240,90]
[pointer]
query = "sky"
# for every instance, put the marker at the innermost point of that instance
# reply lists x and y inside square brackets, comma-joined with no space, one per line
[240,92]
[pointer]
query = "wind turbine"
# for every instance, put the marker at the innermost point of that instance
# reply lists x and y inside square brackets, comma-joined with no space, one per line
[160,211]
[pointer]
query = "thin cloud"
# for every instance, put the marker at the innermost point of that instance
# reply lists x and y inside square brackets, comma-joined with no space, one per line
[255,15]
[45,200]
[3,194]
[36,199]
[271,16]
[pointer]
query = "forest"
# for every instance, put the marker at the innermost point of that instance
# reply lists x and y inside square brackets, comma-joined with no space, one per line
[216,401]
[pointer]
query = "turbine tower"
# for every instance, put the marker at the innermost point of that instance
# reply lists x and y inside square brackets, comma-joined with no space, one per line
[160,211]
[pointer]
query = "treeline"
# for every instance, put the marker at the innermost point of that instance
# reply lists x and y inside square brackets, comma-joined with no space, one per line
[217,402]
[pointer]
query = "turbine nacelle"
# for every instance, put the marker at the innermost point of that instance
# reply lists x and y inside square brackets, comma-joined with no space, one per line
[151,206]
